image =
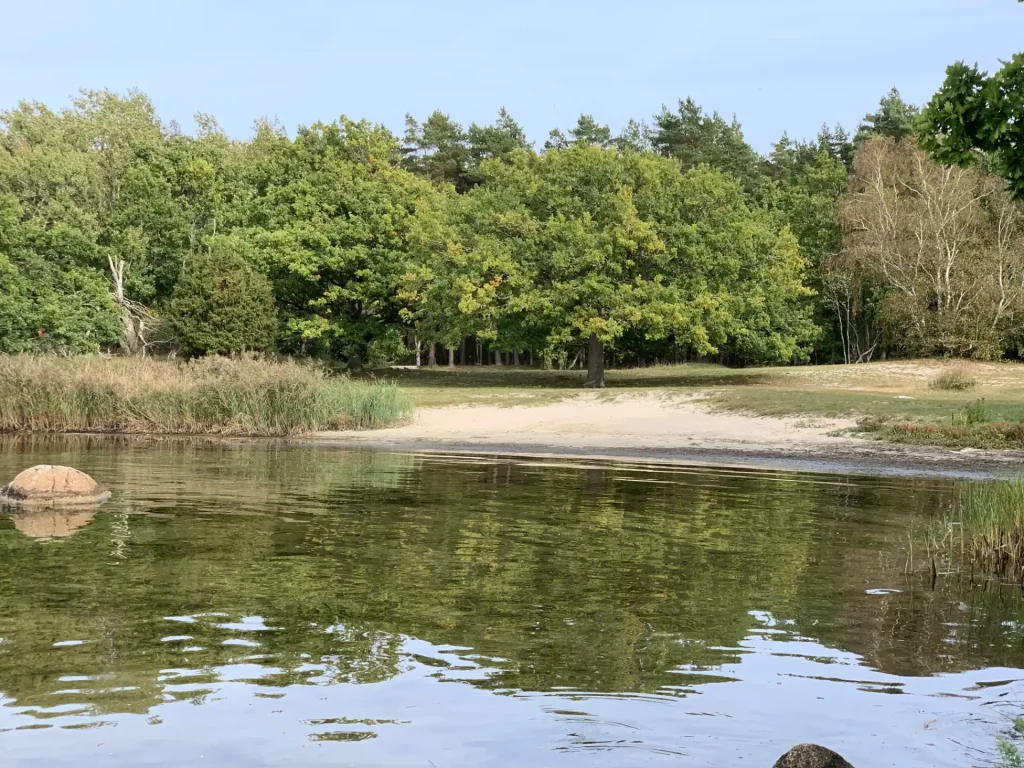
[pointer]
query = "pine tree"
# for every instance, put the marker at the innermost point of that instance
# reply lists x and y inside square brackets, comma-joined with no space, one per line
[221,305]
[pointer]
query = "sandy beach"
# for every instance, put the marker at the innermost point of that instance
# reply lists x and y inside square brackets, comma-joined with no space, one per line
[669,427]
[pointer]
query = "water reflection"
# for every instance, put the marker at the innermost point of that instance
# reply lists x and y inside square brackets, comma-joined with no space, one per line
[52,523]
[405,608]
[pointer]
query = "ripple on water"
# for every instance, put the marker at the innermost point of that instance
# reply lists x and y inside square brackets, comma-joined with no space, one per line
[394,608]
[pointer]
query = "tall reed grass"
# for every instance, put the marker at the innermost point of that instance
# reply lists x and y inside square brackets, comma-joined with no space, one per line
[204,396]
[984,530]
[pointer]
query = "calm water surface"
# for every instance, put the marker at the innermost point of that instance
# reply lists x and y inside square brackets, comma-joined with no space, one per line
[268,605]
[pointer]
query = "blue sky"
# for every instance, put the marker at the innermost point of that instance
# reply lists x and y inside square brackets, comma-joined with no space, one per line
[777,64]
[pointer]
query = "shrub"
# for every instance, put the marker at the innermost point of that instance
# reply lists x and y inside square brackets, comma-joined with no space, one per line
[954,381]
[221,305]
[974,413]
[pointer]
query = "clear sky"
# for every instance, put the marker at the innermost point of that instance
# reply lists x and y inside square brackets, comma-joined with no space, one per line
[777,64]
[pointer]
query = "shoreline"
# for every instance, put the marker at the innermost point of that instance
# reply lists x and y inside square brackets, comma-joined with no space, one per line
[876,459]
[672,430]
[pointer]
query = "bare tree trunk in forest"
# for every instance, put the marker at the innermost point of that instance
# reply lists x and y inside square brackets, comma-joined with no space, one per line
[451,357]
[530,358]
[479,353]
[432,354]
[515,358]
[497,357]
[595,363]
[135,318]
[416,341]
[462,351]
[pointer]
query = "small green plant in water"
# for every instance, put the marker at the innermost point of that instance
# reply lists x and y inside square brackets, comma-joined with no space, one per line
[1009,755]
[984,530]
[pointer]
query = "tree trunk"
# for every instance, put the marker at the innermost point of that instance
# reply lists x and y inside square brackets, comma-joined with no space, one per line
[418,360]
[515,358]
[462,351]
[530,358]
[432,354]
[497,358]
[595,363]
[451,357]
[479,359]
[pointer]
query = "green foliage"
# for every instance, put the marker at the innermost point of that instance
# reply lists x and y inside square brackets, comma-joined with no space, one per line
[437,150]
[366,405]
[586,241]
[1009,755]
[221,305]
[695,138]
[334,226]
[44,308]
[672,240]
[975,116]
[974,413]
[984,529]
[441,151]
[895,119]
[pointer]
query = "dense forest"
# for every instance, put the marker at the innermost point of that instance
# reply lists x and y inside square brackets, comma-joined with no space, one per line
[673,240]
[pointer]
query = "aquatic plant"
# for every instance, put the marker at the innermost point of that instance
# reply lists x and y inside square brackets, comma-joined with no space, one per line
[213,395]
[983,530]
[1009,755]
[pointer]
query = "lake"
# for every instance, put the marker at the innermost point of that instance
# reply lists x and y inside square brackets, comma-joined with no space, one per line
[266,604]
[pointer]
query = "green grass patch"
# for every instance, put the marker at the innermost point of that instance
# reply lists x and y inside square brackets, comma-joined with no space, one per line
[205,396]
[978,424]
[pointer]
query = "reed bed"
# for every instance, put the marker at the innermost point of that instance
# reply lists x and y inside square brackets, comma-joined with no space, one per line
[205,396]
[984,530]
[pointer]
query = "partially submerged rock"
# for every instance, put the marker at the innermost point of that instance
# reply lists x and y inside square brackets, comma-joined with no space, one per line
[52,486]
[811,756]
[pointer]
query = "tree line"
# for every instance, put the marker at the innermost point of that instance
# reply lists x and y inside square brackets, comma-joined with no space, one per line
[671,240]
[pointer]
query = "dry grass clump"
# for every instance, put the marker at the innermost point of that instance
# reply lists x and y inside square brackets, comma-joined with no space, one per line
[213,395]
[953,381]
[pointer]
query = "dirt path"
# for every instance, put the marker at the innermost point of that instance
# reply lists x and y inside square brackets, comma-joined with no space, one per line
[668,427]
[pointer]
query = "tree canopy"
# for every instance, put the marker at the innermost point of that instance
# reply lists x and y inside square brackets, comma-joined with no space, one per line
[671,239]
[979,118]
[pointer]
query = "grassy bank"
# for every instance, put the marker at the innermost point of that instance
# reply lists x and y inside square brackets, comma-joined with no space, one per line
[976,425]
[205,396]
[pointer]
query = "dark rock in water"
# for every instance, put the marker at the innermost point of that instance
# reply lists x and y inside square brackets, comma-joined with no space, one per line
[52,486]
[811,756]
